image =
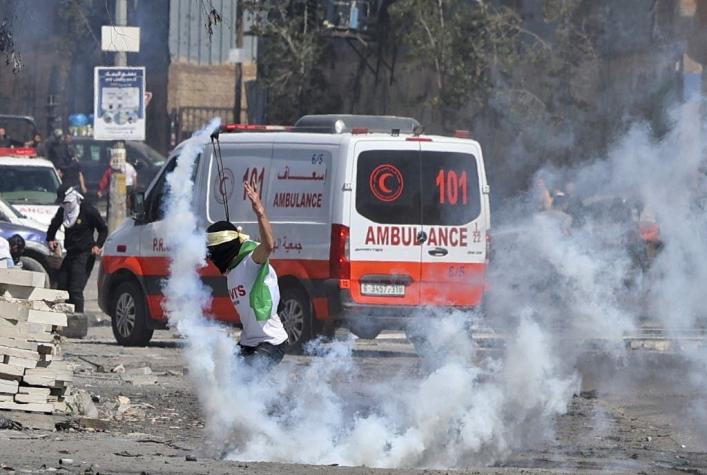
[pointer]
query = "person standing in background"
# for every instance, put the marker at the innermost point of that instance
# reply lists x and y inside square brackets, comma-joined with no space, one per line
[81,221]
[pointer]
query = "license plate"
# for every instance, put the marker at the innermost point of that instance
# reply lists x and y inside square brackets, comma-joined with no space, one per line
[392,290]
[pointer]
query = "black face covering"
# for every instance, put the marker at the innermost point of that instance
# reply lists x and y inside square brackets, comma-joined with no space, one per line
[222,254]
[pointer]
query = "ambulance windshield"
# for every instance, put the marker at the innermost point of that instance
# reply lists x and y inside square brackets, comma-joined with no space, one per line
[407,187]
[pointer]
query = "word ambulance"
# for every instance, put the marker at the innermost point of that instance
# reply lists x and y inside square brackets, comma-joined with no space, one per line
[407,236]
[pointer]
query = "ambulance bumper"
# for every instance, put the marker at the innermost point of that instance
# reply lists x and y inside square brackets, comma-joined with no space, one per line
[383,317]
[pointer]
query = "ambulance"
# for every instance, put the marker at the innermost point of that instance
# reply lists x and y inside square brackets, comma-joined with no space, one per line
[373,221]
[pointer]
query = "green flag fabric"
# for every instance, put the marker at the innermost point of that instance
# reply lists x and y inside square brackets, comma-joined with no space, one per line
[260,298]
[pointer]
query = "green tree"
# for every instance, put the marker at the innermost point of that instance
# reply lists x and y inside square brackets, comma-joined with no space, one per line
[462,43]
[293,57]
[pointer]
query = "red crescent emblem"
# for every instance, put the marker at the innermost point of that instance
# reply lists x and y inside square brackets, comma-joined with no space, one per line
[386,182]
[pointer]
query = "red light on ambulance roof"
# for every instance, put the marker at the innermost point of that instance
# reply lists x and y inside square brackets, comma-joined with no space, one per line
[418,139]
[254,128]
[462,134]
[359,130]
[18,151]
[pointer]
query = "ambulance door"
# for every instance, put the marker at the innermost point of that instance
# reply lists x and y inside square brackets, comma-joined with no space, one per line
[385,222]
[298,203]
[454,222]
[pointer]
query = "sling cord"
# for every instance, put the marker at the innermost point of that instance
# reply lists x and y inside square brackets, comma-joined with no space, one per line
[216,145]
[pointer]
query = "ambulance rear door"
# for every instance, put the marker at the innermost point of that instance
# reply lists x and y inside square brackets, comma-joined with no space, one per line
[385,222]
[454,223]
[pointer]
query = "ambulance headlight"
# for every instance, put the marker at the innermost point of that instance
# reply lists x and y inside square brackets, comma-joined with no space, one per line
[339,126]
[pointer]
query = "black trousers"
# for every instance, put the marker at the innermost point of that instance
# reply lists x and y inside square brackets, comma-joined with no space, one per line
[265,354]
[73,275]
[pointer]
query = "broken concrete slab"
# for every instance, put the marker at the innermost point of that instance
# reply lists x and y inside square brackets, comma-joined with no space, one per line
[15,406]
[23,278]
[40,293]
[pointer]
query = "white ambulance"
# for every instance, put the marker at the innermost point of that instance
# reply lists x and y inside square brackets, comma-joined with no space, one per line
[372,221]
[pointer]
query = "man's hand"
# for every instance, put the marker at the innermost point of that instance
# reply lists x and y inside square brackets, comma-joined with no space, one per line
[53,245]
[96,251]
[252,194]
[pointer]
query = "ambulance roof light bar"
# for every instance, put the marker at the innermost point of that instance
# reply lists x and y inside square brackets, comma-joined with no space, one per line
[347,123]
[24,152]
[254,128]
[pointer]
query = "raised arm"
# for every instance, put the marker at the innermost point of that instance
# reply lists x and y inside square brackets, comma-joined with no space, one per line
[267,242]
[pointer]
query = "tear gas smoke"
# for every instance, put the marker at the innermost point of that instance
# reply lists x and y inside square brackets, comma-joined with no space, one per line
[445,418]
[552,289]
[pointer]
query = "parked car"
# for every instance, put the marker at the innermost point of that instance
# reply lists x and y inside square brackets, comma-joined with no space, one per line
[94,156]
[30,184]
[37,256]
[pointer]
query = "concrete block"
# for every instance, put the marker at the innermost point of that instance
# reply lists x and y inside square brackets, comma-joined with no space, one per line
[23,312]
[47,318]
[41,305]
[22,362]
[39,293]
[18,344]
[15,406]
[8,371]
[18,353]
[55,370]
[8,387]
[15,310]
[35,391]
[40,380]
[24,278]
[30,398]
[7,397]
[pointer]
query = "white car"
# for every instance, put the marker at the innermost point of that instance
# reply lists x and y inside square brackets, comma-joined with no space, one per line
[30,184]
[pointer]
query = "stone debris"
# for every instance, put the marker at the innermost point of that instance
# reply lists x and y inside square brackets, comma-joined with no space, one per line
[33,375]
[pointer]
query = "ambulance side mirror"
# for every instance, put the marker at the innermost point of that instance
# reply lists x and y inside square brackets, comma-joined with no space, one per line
[138,199]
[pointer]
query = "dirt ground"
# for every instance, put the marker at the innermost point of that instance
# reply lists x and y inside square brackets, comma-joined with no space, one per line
[630,424]
[627,430]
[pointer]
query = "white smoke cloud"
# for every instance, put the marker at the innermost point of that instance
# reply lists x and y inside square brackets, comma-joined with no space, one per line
[552,292]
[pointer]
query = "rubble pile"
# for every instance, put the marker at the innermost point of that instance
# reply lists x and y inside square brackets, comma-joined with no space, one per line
[33,375]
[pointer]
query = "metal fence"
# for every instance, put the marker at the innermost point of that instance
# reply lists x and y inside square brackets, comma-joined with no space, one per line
[186,120]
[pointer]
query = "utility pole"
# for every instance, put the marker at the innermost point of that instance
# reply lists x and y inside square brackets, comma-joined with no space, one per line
[238,106]
[117,191]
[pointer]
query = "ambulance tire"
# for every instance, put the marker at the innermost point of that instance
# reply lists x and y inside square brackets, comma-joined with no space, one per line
[128,316]
[295,304]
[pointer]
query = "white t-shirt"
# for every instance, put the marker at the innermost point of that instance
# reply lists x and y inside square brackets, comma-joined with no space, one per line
[240,282]
[5,252]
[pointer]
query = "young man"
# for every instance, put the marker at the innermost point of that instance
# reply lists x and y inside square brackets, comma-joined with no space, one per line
[252,284]
[80,221]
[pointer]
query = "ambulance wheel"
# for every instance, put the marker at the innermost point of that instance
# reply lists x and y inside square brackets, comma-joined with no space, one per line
[296,315]
[129,316]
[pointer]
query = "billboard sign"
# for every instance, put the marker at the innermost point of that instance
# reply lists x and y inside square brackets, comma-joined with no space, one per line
[119,103]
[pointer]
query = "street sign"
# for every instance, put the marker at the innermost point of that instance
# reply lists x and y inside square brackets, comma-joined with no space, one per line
[236,55]
[120,38]
[119,103]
